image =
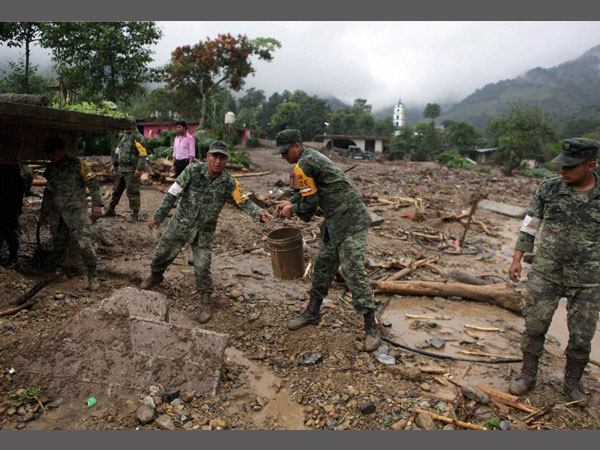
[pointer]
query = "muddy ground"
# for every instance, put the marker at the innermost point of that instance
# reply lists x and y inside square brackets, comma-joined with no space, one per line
[263,384]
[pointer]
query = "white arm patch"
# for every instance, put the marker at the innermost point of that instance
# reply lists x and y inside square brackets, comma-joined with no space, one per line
[531,225]
[175,189]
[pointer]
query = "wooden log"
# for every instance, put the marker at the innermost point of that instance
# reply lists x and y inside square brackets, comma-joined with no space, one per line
[249,174]
[499,294]
[507,399]
[475,327]
[460,423]
[39,182]
[466,278]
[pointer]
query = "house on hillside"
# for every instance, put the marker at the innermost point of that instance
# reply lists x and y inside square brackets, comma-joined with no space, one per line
[152,129]
[372,144]
[479,155]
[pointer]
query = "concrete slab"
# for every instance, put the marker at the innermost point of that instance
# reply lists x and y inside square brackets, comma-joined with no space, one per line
[502,208]
[122,347]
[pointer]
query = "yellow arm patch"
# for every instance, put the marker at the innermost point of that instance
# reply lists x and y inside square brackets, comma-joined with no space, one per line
[238,194]
[86,173]
[141,149]
[307,184]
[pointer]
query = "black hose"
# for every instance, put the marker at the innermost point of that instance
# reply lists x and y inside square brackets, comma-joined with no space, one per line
[452,358]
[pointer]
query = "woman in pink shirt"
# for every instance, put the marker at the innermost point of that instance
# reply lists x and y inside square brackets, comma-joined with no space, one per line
[184,147]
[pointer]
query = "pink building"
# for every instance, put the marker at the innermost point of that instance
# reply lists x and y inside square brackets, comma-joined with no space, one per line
[151,130]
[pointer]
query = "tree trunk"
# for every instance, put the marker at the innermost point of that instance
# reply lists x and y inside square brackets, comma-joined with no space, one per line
[499,294]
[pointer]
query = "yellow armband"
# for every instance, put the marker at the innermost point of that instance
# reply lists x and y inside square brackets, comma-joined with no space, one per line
[141,149]
[239,195]
[307,184]
[86,172]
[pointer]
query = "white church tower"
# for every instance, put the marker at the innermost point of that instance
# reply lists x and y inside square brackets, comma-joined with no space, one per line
[398,117]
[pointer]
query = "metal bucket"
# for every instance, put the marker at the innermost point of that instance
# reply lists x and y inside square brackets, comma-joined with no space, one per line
[287,254]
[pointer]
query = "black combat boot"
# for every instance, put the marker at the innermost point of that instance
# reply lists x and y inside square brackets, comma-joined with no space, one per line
[134,216]
[92,278]
[154,279]
[572,385]
[372,334]
[310,315]
[12,262]
[525,381]
[203,311]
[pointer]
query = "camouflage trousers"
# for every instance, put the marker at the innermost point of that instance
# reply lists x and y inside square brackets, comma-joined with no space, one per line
[350,255]
[541,301]
[169,246]
[126,181]
[77,228]
[9,231]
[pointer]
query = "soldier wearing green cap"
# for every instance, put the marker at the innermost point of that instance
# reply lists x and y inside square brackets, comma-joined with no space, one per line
[566,264]
[202,189]
[343,232]
[129,159]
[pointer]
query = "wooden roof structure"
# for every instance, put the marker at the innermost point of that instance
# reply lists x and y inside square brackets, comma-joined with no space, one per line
[23,128]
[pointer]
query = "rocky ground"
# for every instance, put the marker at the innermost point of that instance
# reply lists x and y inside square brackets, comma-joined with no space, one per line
[316,377]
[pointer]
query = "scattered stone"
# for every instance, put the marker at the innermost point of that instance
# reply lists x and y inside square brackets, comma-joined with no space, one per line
[386,323]
[426,387]
[505,425]
[397,426]
[332,424]
[165,422]
[258,355]
[148,400]
[218,423]
[176,402]
[367,407]
[100,414]
[425,422]
[437,342]
[235,294]
[186,396]
[299,397]
[448,426]
[475,394]
[169,396]
[310,360]
[29,417]
[387,360]
[145,414]
[408,373]
[21,411]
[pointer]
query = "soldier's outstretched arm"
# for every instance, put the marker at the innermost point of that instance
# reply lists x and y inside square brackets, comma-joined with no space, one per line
[241,199]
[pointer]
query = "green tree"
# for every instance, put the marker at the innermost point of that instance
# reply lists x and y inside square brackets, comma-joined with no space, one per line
[249,107]
[312,115]
[196,71]
[22,34]
[402,144]
[426,141]
[18,82]
[521,132]
[286,116]
[464,136]
[109,60]
[160,104]
[432,110]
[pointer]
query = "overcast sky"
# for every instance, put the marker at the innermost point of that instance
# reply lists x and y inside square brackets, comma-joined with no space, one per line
[419,62]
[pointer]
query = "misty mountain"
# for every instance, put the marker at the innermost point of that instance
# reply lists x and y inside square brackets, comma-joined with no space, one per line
[335,103]
[566,91]
[412,115]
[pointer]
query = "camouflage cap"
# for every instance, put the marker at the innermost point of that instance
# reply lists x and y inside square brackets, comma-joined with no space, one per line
[575,151]
[284,139]
[218,147]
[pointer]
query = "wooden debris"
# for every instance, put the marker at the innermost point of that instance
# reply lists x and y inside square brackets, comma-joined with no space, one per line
[505,398]
[499,294]
[475,327]
[464,277]
[249,174]
[440,380]
[469,426]
[438,370]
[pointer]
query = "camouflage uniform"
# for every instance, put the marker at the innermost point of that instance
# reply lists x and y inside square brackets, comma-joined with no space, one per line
[201,199]
[27,172]
[65,203]
[566,264]
[11,204]
[129,157]
[344,230]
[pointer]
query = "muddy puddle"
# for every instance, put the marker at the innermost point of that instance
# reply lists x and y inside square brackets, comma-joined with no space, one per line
[279,410]
[450,318]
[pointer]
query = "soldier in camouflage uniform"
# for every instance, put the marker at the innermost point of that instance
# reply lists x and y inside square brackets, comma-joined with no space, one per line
[65,204]
[566,264]
[202,190]
[344,230]
[12,188]
[129,159]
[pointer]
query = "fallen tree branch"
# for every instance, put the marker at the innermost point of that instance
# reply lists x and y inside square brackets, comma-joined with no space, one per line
[475,327]
[499,294]
[460,423]
[507,399]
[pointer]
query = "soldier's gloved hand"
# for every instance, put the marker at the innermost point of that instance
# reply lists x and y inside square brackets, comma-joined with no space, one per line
[137,174]
[96,212]
[153,223]
[266,217]
[44,218]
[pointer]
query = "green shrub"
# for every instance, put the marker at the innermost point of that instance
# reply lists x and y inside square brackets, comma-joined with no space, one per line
[482,169]
[239,158]
[452,159]
[161,152]
[538,173]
